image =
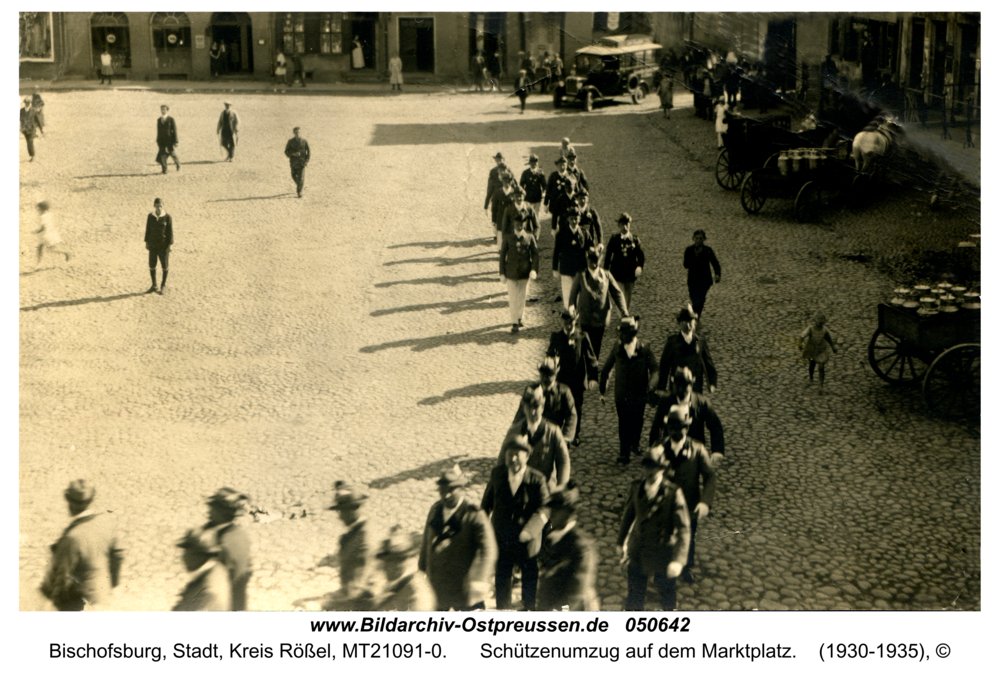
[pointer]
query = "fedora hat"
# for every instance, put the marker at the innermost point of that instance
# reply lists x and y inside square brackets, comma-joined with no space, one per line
[399,544]
[345,497]
[79,491]
[549,365]
[629,325]
[201,540]
[228,498]
[567,498]
[453,478]
[654,457]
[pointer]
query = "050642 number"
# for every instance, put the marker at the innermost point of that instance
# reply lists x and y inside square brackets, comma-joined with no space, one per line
[657,624]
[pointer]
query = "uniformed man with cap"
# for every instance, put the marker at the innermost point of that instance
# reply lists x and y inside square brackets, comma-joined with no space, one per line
[353,555]
[560,409]
[297,152]
[549,453]
[517,209]
[590,221]
[406,587]
[657,527]
[86,560]
[624,257]
[635,374]
[208,587]
[459,552]
[573,169]
[515,500]
[702,413]
[494,181]
[692,470]
[577,363]
[559,193]
[568,561]
[533,182]
[228,130]
[223,510]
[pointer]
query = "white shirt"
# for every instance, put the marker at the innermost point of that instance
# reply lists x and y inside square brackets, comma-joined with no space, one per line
[447,513]
[688,337]
[516,479]
[652,490]
[630,348]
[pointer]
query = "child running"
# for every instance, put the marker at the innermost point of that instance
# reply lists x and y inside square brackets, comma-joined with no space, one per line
[816,343]
[48,237]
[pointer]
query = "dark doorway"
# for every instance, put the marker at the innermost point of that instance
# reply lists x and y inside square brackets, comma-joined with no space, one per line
[416,44]
[916,53]
[364,30]
[235,30]
[943,53]
[780,55]
[486,29]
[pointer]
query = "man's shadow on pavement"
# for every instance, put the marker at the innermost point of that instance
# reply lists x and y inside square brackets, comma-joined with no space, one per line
[466,244]
[478,390]
[284,195]
[477,469]
[82,301]
[441,261]
[450,307]
[480,277]
[485,336]
[158,171]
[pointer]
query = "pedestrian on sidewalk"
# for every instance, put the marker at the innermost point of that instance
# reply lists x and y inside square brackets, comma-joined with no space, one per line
[635,375]
[560,408]
[357,54]
[549,453]
[225,507]
[213,56]
[515,500]
[518,265]
[297,152]
[107,69]
[159,239]
[353,556]
[816,343]
[228,130]
[28,126]
[38,106]
[406,586]
[521,86]
[208,588]
[666,93]
[300,69]
[496,70]
[166,139]
[281,68]
[577,363]
[721,121]
[533,182]
[687,348]
[656,525]
[86,560]
[681,393]
[569,254]
[223,58]
[48,236]
[693,471]
[478,68]
[568,560]
[591,295]
[459,552]
[700,261]
[396,72]
[624,257]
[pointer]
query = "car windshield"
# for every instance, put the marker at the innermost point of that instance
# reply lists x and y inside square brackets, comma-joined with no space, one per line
[589,63]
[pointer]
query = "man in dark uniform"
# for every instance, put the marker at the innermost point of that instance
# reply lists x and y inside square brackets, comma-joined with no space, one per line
[568,561]
[687,348]
[590,222]
[166,139]
[518,210]
[533,182]
[559,193]
[297,152]
[223,509]
[459,551]
[700,408]
[575,170]
[560,408]
[228,130]
[86,560]
[577,363]
[515,500]
[656,524]
[635,374]
[159,239]
[354,553]
[549,454]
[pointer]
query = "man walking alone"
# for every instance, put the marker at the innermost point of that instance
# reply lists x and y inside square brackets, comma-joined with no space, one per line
[297,152]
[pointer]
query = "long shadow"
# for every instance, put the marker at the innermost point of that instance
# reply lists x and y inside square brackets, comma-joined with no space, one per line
[449,307]
[244,199]
[486,336]
[151,173]
[480,277]
[478,390]
[441,260]
[467,244]
[477,469]
[36,270]
[81,301]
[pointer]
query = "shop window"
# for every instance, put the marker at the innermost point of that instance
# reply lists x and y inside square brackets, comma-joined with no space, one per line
[312,32]
[110,30]
[171,32]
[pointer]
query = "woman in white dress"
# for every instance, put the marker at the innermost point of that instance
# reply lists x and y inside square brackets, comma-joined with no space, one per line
[396,71]
[357,56]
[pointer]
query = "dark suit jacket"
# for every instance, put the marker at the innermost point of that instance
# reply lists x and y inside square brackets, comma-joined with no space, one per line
[568,573]
[702,414]
[493,184]
[560,409]
[297,145]
[159,231]
[658,530]
[676,352]
[510,514]
[577,361]
[166,131]
[229,123]
[549,453]
[457,553]
[693,472]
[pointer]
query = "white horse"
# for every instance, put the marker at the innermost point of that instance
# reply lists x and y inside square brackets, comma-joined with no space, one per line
[869,145]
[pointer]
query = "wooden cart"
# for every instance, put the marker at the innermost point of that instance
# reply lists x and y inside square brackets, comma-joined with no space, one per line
[748,145]
[941,353]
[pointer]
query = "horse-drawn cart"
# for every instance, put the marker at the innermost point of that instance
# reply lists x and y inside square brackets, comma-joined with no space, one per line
[939,352]
[749,142]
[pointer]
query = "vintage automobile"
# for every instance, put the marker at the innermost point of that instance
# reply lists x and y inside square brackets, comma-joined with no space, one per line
[614,66]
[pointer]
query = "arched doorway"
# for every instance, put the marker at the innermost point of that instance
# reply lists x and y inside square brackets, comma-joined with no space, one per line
[171,44]
[234,29]
[110,30]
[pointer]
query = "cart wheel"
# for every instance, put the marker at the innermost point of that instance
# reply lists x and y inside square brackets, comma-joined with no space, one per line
[639,94]
[951,387]
[894,360]
[752,195]
[588,101]
[725,175]
[808,202]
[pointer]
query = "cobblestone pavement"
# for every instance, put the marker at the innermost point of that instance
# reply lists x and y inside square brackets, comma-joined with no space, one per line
[362,333]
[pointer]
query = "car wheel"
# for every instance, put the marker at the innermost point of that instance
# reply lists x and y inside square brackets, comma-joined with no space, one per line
[639,94]
[588,101]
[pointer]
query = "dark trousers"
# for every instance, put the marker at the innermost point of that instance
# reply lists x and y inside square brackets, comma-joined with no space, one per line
[524,98]
[698,294]
[30,138]
[229,143]
[638,579]
[694,529]
[627,290]
[163,254]
[165,152]
[299,176]
[630,420]
[596,334]
[518,556]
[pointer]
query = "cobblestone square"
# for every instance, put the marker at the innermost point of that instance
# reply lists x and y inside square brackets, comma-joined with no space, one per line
[362,333]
